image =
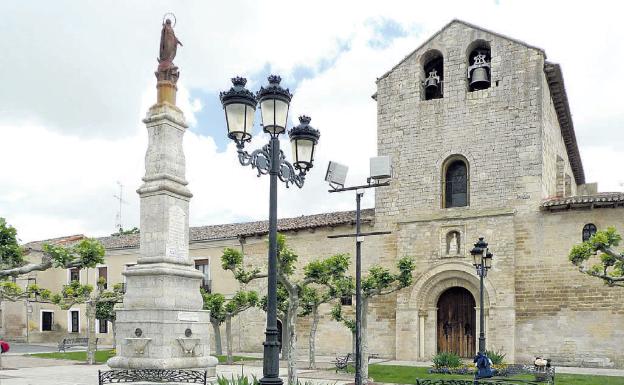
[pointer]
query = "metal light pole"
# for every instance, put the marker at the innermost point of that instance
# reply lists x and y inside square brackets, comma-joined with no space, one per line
[358,246]
[240,106]
[482,261]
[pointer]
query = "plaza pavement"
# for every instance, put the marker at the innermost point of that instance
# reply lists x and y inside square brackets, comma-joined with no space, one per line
[26,370]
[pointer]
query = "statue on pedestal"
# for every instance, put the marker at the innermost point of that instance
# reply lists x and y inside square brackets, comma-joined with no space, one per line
[168,49]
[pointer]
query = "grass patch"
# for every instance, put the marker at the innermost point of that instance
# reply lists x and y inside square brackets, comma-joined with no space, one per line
[101,356]
[409,374]
[222,359]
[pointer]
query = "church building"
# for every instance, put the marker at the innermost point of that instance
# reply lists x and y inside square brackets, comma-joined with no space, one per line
[482,144]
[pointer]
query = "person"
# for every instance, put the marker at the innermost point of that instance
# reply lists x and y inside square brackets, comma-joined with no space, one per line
[4,346]
[484,366]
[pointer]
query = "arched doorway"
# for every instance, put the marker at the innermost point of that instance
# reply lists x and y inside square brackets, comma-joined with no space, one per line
[456,322]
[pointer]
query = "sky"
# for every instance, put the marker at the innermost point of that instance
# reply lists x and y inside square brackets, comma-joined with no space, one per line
[77,79]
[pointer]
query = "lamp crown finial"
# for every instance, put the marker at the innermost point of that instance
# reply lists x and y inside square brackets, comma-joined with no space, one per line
[274,80]
[304,119]
[239,81]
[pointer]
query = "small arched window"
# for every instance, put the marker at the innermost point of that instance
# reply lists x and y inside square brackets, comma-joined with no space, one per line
[455,185]
[589,230]
[479,70]
[433,67]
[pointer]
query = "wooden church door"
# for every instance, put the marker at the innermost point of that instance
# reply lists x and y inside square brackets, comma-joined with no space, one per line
[456,322]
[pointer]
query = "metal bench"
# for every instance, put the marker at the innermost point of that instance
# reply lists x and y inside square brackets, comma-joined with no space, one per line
[185,376]
[75,341]
[506,376]
[342,362]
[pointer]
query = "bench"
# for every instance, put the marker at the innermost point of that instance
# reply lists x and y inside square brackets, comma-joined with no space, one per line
[185,376]
[342,362]
[75,341]
[506,376]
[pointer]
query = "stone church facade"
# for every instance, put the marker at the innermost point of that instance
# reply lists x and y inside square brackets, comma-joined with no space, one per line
[498,161]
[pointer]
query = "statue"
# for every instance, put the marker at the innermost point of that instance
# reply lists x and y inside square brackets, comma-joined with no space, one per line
[168,48]
[452,247]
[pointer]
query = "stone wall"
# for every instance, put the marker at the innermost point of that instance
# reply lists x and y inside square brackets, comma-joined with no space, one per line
[563,314]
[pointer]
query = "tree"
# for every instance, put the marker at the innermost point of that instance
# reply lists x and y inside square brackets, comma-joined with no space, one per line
[329,284]
[378,282]
[105,306]
[11,254]
[286,265]
[224,310]
[600,248]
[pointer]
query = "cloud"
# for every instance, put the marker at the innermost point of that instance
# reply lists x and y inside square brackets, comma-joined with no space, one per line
[79,77]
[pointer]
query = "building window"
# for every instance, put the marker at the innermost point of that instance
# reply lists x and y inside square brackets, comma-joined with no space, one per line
[479,71]
[203,265]
[74,274]
[433,68]
[102,326]
[455,182]
[346,300]
[47,320]
[73,321]
[103,274]
[589,230]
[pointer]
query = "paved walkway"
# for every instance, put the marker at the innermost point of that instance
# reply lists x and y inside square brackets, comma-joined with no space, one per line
[65,372]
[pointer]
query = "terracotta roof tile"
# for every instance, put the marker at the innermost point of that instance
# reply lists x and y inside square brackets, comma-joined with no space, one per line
[606,199]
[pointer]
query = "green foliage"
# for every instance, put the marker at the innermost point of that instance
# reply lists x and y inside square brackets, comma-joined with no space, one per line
[215,302]
[497,356]
[72,294]
[134,230]
[600,248]
[105,306]
[323,271]
[309,299]
[380,278]
[336,315]
[241,301]
[101,356]
[10,289]
[232,260]
[446,360]
[91,252]
[282,300]
[11,254]
[239,380]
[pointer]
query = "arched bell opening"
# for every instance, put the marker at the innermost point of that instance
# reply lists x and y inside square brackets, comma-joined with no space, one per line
[456,332]
[433,68]
[479,66]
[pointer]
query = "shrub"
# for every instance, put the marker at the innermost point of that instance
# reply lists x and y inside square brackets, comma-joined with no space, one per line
[497,356]
[447,360]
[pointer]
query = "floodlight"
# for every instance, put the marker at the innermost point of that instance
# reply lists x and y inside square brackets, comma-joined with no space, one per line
[336,174]
[380,167]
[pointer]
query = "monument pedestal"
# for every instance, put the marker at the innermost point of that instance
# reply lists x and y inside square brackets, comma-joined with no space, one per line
[162,324]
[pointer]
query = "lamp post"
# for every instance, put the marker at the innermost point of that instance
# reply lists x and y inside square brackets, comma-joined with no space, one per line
[482,261]
[239,105]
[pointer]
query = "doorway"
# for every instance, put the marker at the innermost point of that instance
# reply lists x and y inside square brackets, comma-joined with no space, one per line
[456,322]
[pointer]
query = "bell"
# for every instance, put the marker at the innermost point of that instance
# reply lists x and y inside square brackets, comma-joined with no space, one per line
[479,79]
[432,82]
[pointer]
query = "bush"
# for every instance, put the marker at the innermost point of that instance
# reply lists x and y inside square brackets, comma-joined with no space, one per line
[447,360]
[497,356]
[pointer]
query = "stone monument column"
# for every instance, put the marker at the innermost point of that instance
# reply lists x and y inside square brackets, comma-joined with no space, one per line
[162,324]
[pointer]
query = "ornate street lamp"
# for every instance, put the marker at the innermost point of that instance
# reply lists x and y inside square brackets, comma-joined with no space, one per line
[482,261]
[239,105]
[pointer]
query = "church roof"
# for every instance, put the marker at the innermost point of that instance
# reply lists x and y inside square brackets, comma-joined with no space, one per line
[247,229]
[606,199]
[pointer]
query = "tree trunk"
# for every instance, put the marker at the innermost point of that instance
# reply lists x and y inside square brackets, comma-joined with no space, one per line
[216,328]
[91,304]
[364,340]
[353,341]
[313,327]
[228,336]
[291,351]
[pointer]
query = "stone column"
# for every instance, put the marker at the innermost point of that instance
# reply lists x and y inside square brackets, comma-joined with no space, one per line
[422,316]
[162,324]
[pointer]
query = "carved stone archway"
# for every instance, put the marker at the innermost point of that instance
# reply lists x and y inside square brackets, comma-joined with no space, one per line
[417,308]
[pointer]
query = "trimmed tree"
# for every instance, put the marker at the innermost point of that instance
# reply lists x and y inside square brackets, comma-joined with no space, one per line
[224,310]
[330,283]
[378,282]
[599,249]
[286,264]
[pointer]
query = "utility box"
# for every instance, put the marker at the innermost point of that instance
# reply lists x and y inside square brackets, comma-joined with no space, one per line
[336,174]
[380,167]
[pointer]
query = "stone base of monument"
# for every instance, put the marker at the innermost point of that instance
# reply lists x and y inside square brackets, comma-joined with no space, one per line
[159,326]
